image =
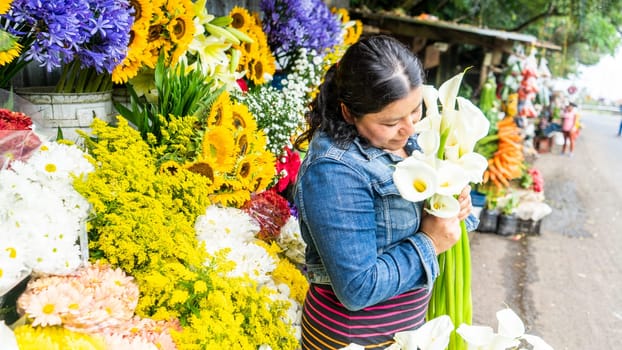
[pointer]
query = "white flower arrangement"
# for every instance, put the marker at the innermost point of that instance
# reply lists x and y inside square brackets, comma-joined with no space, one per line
[41,214]
[290,240]
[434,335]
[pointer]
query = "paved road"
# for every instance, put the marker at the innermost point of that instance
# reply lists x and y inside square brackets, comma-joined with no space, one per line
[566,283]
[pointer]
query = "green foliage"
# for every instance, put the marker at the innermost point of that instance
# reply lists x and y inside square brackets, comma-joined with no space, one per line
[181,92]
[586,30]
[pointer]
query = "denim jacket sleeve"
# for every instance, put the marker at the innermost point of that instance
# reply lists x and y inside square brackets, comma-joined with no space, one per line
[338,220]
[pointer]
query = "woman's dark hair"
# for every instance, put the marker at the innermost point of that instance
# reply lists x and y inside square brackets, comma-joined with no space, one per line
[374,72]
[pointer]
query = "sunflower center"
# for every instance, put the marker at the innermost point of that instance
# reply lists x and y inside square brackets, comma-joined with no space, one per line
[419,185]
[238,21]
[138,10]
[245,170]
[179,29]
[203,169]
[242,144]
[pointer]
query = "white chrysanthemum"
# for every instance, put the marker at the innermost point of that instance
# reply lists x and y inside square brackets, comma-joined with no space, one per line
[252,260]
[220,225]
[290,240]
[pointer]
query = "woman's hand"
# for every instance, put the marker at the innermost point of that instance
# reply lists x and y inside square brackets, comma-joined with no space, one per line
[465,203]
[444,233]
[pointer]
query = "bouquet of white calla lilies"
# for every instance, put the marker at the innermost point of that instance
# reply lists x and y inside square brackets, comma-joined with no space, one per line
[436,173]
[510,332]
[433,335]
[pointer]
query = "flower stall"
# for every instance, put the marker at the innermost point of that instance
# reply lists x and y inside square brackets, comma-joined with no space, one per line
[170,225]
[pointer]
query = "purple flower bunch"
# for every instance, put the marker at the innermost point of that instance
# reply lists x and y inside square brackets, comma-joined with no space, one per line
[294,24]
[94,32]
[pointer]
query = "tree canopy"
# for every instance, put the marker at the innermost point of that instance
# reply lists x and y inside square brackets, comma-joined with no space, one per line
[585,29]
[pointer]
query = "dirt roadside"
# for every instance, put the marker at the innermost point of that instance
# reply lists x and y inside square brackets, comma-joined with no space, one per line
[566,283]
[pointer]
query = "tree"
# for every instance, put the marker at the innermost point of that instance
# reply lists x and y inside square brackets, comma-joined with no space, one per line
[585,29]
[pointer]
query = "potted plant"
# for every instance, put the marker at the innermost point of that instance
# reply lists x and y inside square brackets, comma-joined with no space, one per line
[508,220]
[489,216]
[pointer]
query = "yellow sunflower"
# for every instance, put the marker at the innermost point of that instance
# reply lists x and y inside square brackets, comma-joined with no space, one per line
[264,171]
[230,197]
[9,48]
[353,33]
[218,148]
[244,170]
[170,167]
[181,29]
[241,18]
[5,6]
[143,10]
[242,140]
[221,111]
[205,169]
[241,117]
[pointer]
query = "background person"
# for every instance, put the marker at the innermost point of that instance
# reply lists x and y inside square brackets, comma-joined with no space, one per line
[569,121]
[371,255]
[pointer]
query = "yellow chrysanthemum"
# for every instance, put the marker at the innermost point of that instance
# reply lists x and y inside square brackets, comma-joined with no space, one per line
[221,111]
[29,337]
[218,148]
[241,18]
[5,6]
[241,117]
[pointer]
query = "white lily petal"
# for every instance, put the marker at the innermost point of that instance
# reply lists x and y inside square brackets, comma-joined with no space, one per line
[500,342]
[537,342]
[477,336]
[479,125]
[429,142]
[448,92]
[430,99]
[510,325]
[451,178]
[433,335]
[443,206]
[415,179]
[452,149]
[474,165]
[7,338]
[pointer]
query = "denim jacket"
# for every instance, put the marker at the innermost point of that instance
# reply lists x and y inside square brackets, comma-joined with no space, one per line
[362,237]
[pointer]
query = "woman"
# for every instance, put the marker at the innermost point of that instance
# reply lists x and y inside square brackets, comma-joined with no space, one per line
[371,256]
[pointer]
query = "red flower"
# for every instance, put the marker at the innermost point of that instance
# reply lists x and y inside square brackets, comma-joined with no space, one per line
[17,140]
[242,84]
[538,179]
[270,210]
[287,167]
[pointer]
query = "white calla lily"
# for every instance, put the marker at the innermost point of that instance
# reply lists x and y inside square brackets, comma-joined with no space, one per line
[476,336]
[415,179]
[433,335]
[7,338]
[471,124]
[443,206]
[448,92]
[430,99]
[451,178]
[510,325]
[429,141]
[537,342]
[474,165]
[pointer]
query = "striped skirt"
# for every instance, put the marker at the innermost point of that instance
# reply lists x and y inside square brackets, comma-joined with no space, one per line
[327,324]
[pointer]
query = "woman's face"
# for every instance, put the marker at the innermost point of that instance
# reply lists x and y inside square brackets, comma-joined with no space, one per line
[390,128]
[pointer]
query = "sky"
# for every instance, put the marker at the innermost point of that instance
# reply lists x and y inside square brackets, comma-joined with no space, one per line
[605,78]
